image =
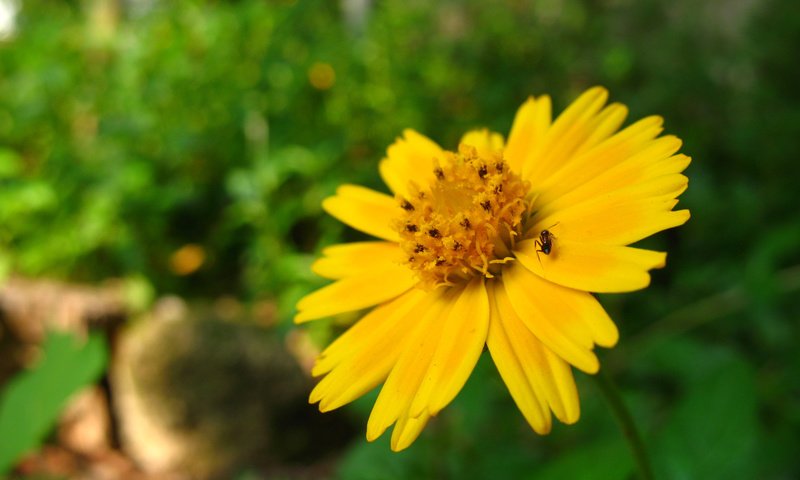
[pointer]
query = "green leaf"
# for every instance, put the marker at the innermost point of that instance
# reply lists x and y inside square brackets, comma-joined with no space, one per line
[607,461]
[712,433]
[376,461]
[32,401]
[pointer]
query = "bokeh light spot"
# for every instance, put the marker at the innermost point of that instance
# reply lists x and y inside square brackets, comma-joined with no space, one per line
[187,259]
[322,76]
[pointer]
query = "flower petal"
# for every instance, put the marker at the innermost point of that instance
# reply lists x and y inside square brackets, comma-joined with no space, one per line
[407,430]
[659,189]
[408,159]
[365,210]
[603,125]
[462,342]
[619,218]
[530,125]
[610,223]
[362,357]
[570,130]
[567,321]
[523,361]
[484,141]
[599,159]
[519,376]
[370,329]
[351,259]
[355,293]
[653,161]
[591,267]
[403,382]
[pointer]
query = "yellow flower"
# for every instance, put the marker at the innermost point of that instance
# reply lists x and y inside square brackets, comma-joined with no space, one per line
[497,244]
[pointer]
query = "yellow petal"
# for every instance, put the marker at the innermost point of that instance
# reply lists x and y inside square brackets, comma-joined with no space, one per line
[637,171]
[570,130]
[355,293]
[407,430]
[457,352]
[550,377]
[530,125]
[408,159]
[365,210]
[401,386]
[599,159]
[660,190]
[619,218]
[653,160]
[567,321]
[370,328]
[484,141]
[519,376]
[612,223]
[363,356]
[591,267]
[604,125]
[351,259]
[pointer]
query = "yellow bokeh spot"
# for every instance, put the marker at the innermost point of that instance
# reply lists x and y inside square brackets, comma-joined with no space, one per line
[187,259]
[321,75]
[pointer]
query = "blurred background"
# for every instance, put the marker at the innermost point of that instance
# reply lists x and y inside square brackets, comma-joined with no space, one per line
[161,171]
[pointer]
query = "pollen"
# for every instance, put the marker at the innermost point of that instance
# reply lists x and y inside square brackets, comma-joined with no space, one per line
[466,222]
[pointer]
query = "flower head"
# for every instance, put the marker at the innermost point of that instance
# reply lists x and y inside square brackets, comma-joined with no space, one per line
[496,244]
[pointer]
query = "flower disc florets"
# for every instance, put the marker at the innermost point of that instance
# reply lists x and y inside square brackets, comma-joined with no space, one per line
[466,222]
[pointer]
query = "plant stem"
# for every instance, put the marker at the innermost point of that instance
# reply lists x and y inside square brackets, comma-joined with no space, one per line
[626,423]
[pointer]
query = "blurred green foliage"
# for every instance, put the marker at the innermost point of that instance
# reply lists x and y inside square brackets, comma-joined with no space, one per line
[130,131]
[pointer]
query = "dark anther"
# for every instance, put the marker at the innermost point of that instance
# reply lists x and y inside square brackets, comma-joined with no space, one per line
[411,259]
[419,248]
[499,166]
[487,205]
[456,246]
[410,227]
[433,232]
[498,188]
[440,262]
[406,205]
[439,173]
[466,223]
[421,195]
[483,171]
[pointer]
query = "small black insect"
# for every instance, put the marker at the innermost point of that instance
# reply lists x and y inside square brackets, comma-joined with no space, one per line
[544,243]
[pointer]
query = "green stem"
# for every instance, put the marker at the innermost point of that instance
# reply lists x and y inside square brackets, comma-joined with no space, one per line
[626,423]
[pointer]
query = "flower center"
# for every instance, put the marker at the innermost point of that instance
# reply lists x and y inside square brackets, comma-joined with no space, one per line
[466,223]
